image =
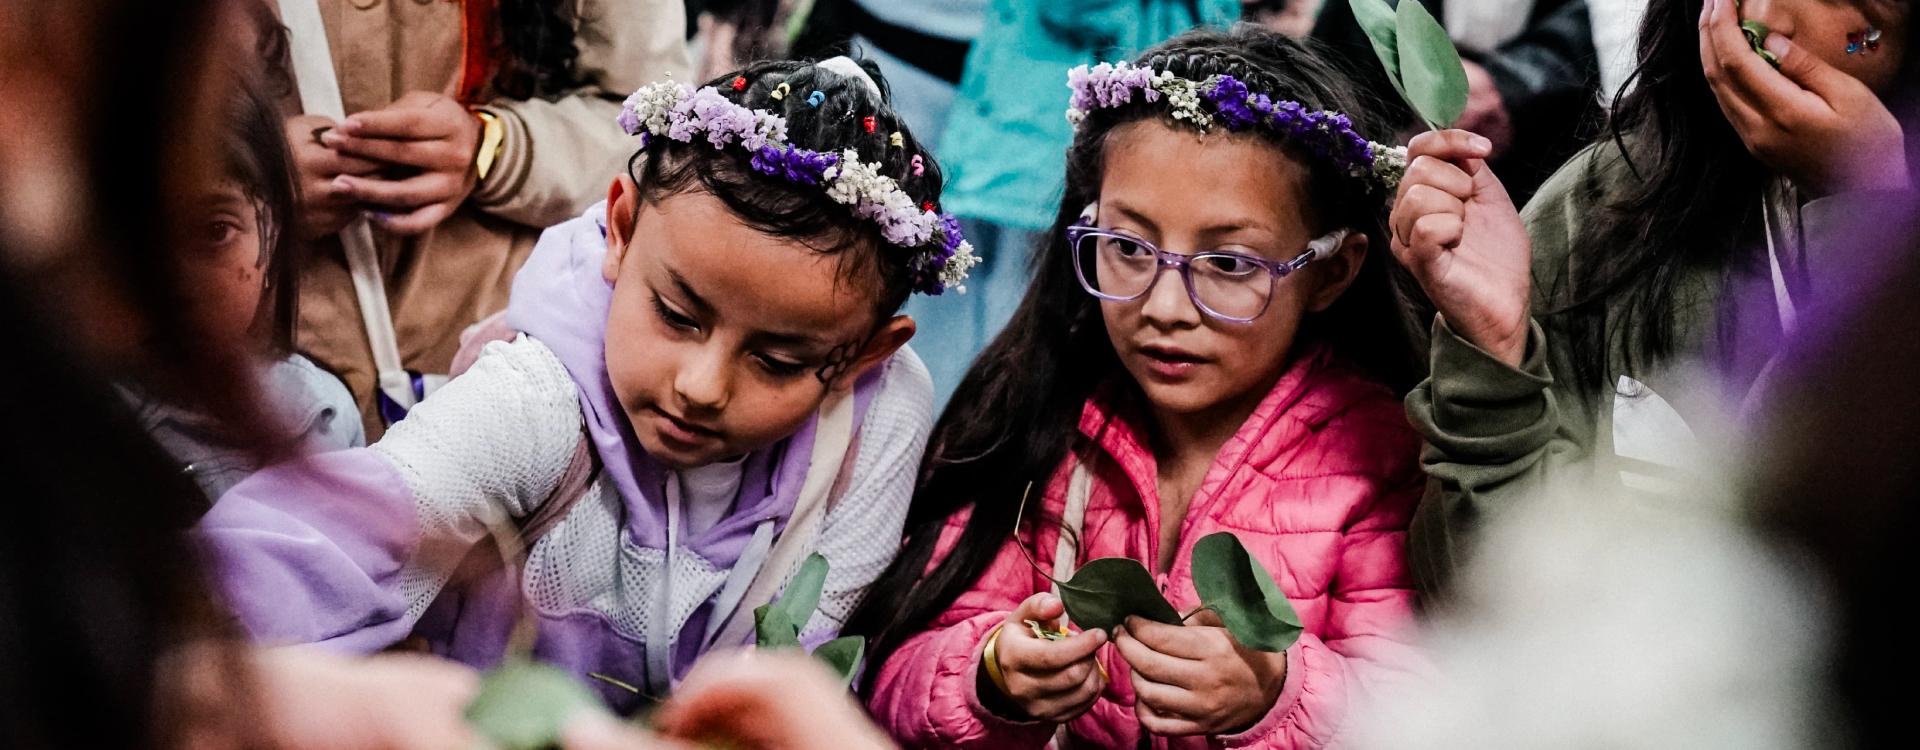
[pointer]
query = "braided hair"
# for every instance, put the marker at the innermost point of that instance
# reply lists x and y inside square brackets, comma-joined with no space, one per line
[1014,416]
[848,114]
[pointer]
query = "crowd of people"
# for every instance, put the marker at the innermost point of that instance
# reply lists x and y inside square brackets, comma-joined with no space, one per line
[364,346]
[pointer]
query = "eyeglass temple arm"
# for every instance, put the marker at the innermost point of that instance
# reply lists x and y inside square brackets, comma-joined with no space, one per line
[1319,249]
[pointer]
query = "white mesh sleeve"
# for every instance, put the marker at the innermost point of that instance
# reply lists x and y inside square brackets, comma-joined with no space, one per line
[485,448]
[862,532]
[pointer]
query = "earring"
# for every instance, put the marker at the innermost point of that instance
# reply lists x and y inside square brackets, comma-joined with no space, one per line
[1866,41]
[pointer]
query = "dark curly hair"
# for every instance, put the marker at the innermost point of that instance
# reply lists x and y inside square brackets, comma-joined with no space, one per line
[541,53]
[1013,417]
[801,212]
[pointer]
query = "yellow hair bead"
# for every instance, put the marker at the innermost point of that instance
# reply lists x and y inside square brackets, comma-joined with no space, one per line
[780,91]
[897,140]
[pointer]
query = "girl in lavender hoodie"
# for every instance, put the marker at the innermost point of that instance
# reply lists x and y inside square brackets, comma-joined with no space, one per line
[710,382]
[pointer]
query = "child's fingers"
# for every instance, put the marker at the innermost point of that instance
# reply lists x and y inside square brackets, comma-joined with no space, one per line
[1456,146]
[1146,662]
[1813,74]
[398,122]
[425,154]
[1437,173]
[1022,651]
[1729,62]
[1168,700]
[1042,607]
[1171,640]
[1420,203]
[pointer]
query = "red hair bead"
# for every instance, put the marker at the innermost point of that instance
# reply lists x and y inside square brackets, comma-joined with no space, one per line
[739,83]
[867,122]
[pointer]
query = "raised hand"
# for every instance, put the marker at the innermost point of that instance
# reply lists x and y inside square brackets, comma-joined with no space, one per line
[1820,127]
[1049,680]
[1457,231]
[1195,679]
[431,138]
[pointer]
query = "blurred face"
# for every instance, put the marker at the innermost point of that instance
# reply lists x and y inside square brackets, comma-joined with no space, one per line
[717,332]
[1822,26]
[1187,193]
[227,258]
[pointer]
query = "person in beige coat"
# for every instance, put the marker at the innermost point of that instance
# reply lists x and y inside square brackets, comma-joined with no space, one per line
[471,125]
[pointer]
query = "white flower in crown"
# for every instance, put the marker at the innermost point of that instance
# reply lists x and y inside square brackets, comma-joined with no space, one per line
[954,272]
[877,197]
[649,107]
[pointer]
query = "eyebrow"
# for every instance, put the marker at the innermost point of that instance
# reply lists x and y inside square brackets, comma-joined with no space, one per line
[1214,231]
[772,337]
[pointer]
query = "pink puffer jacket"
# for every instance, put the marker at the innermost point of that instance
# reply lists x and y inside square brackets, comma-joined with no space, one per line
[1319,484]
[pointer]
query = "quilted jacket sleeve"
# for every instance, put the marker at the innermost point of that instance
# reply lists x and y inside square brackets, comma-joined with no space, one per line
[1365,645]
[925,694]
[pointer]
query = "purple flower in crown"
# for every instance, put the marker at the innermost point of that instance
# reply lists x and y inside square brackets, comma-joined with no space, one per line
[1229,97]
[793,164]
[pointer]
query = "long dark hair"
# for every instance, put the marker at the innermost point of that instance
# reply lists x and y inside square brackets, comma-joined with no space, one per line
[541,54]
[1690,199]
[805,213]
[1013,417]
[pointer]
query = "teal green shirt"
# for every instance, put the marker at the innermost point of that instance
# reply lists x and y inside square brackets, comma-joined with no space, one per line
[1005,144]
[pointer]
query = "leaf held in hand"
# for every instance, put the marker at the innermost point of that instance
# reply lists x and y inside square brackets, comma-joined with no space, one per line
[524,705]
[843,655]
[1756,32]
[1376,18]
[1041,632]
[1104,592]
[1238,589]
[1430,71]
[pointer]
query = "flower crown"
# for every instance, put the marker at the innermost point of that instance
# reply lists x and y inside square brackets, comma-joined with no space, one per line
[666,109]
[1325,133]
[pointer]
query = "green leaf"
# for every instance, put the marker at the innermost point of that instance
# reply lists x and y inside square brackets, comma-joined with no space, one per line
[803,592]
[1377,20]
[1235,586]
[772,629]
[1756,32]
[1104,592]
[523,705]
[843,655]
[1430,71]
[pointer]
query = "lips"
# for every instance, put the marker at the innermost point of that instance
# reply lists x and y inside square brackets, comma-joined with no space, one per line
[681,434]
[1167,362]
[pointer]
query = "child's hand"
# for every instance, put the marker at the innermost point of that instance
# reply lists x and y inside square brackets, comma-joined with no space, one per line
[324,209]
[1052,681]
[1459,234]
[310,699]
[1818,126]
[428,133]
[1196,680]
[755,700]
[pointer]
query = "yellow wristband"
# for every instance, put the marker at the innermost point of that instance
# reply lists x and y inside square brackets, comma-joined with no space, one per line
[990,661]
[493,136]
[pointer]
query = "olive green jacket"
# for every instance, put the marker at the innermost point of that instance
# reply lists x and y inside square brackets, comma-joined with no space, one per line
[1498,436]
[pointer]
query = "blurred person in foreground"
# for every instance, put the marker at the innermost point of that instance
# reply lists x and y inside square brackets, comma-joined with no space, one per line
[109,636]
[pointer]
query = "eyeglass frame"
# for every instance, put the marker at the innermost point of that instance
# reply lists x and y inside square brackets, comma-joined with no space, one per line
[1320,247]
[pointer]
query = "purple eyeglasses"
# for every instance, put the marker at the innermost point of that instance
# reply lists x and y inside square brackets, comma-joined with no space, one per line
[1233,287]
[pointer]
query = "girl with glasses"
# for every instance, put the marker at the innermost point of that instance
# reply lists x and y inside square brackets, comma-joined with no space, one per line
[1210,342]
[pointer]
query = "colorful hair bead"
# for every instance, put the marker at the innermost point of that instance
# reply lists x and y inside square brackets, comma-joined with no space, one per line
[919,166]
[814,99]
[867,122]
[927,206]
[896,141]
[780,91]
[739,83]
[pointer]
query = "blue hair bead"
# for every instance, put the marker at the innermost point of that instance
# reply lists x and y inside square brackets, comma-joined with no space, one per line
[814,99]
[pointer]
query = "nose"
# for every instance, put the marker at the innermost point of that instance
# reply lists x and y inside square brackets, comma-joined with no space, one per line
[704,384]
[1168,304]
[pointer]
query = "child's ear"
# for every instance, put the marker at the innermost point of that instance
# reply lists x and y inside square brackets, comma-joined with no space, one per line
[623,203]
[1336,272]
[884,342]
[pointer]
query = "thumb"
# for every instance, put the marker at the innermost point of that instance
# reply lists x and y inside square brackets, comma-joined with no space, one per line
[1808,70]
[1487,187]
[1044,607]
